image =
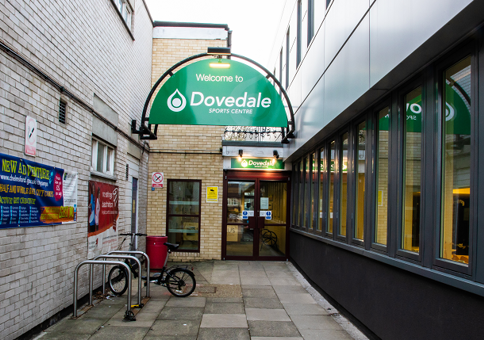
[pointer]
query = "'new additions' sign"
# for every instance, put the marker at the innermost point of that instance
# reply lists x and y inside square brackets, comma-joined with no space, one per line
[218,92]
[257,163]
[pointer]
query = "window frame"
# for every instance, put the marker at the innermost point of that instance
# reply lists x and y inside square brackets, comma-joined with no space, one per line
[374,174]
[109,155]
[402,92]
[354,179]
[170,181]
[298,32]
[469,49]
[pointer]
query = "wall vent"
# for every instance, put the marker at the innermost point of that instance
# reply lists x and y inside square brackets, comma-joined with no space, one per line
[62,111]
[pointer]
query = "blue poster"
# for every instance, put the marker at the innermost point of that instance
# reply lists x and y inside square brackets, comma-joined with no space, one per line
[34,194]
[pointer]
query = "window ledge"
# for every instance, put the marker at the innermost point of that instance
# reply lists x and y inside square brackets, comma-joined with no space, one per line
[100,174]
[433,274]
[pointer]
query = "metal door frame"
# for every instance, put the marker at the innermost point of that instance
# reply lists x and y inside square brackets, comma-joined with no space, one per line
[256,176]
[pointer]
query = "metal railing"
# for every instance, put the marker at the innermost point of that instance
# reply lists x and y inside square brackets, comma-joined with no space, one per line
[91,262]
[147,266]
[129,278]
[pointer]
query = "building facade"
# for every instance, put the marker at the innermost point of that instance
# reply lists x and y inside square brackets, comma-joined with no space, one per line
[386,181]
[81,70]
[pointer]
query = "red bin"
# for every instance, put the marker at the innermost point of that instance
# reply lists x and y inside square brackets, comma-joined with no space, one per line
[156,251]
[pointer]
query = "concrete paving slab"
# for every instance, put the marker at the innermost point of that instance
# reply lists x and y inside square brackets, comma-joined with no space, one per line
[258,287]
[304,298]
[255,280]
[62,336]
[154,306]
[312,334]
[304,309]
[225,280]
[223,334]
[186,302]
[266,314]
[83,325]
[224,321]
[151,336]
[142,320]
[271,303]
[224,299]
[224,308]
[104,311]
[275,338]
[318,322]
[120,333]
[181,313]
[273,329]
[277,281]
[264,293]
[162,328]
[280,289]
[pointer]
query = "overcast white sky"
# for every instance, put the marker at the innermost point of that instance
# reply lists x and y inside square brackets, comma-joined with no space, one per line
[254,22]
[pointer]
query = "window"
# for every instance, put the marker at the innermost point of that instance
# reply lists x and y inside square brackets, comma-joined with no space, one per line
[343,184]
[287,57]
[456,161]
[381,220]
[310,21]
[302,175]
[322,189]
[295,205]
[360,181]
[314,182]
[124,10]
[412,154]
[299,33]
[307,192]
[183,214]
[102,160]
[332,169]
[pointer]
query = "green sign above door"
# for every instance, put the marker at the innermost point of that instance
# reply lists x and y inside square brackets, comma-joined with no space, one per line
[218,92]
[257,163]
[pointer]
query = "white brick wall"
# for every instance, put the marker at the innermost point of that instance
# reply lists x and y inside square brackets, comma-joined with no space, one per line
[85,47]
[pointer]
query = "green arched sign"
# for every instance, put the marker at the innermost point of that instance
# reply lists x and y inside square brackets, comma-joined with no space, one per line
[218,92]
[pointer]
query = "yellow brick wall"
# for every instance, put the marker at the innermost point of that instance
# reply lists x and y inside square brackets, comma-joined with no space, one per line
[186,152]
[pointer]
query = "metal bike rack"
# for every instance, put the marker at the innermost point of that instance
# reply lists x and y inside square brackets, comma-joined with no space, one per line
[147,264]
[91,262]
[128,278]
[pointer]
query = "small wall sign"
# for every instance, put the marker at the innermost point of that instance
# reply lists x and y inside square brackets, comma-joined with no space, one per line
[212,194]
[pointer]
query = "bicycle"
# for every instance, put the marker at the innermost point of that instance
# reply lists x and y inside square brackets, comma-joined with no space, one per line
[179,280]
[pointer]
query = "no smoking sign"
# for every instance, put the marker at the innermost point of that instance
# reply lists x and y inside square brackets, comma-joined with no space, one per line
[157,179]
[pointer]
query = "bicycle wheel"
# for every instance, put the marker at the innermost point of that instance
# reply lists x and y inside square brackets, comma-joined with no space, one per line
[269,237]
[118,280]
[180,282]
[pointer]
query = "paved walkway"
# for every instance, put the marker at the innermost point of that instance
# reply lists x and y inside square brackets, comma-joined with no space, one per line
[233,300]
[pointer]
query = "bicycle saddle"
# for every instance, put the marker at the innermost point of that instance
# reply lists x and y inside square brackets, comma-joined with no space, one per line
[171,246]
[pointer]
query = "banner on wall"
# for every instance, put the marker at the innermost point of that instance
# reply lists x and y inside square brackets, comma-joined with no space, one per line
[103,213]
[35,194]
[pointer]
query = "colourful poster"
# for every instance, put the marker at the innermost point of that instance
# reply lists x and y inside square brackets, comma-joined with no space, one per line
[34,194]
[102,219]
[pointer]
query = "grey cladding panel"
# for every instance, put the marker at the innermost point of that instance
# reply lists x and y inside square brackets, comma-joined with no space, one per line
[398,27]
[105,110]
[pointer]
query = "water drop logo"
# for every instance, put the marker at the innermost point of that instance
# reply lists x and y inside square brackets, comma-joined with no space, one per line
[449,112]
[176,102]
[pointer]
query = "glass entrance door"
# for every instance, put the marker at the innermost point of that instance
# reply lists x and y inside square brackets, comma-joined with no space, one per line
[255,225]
[273,209]
[240,206]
